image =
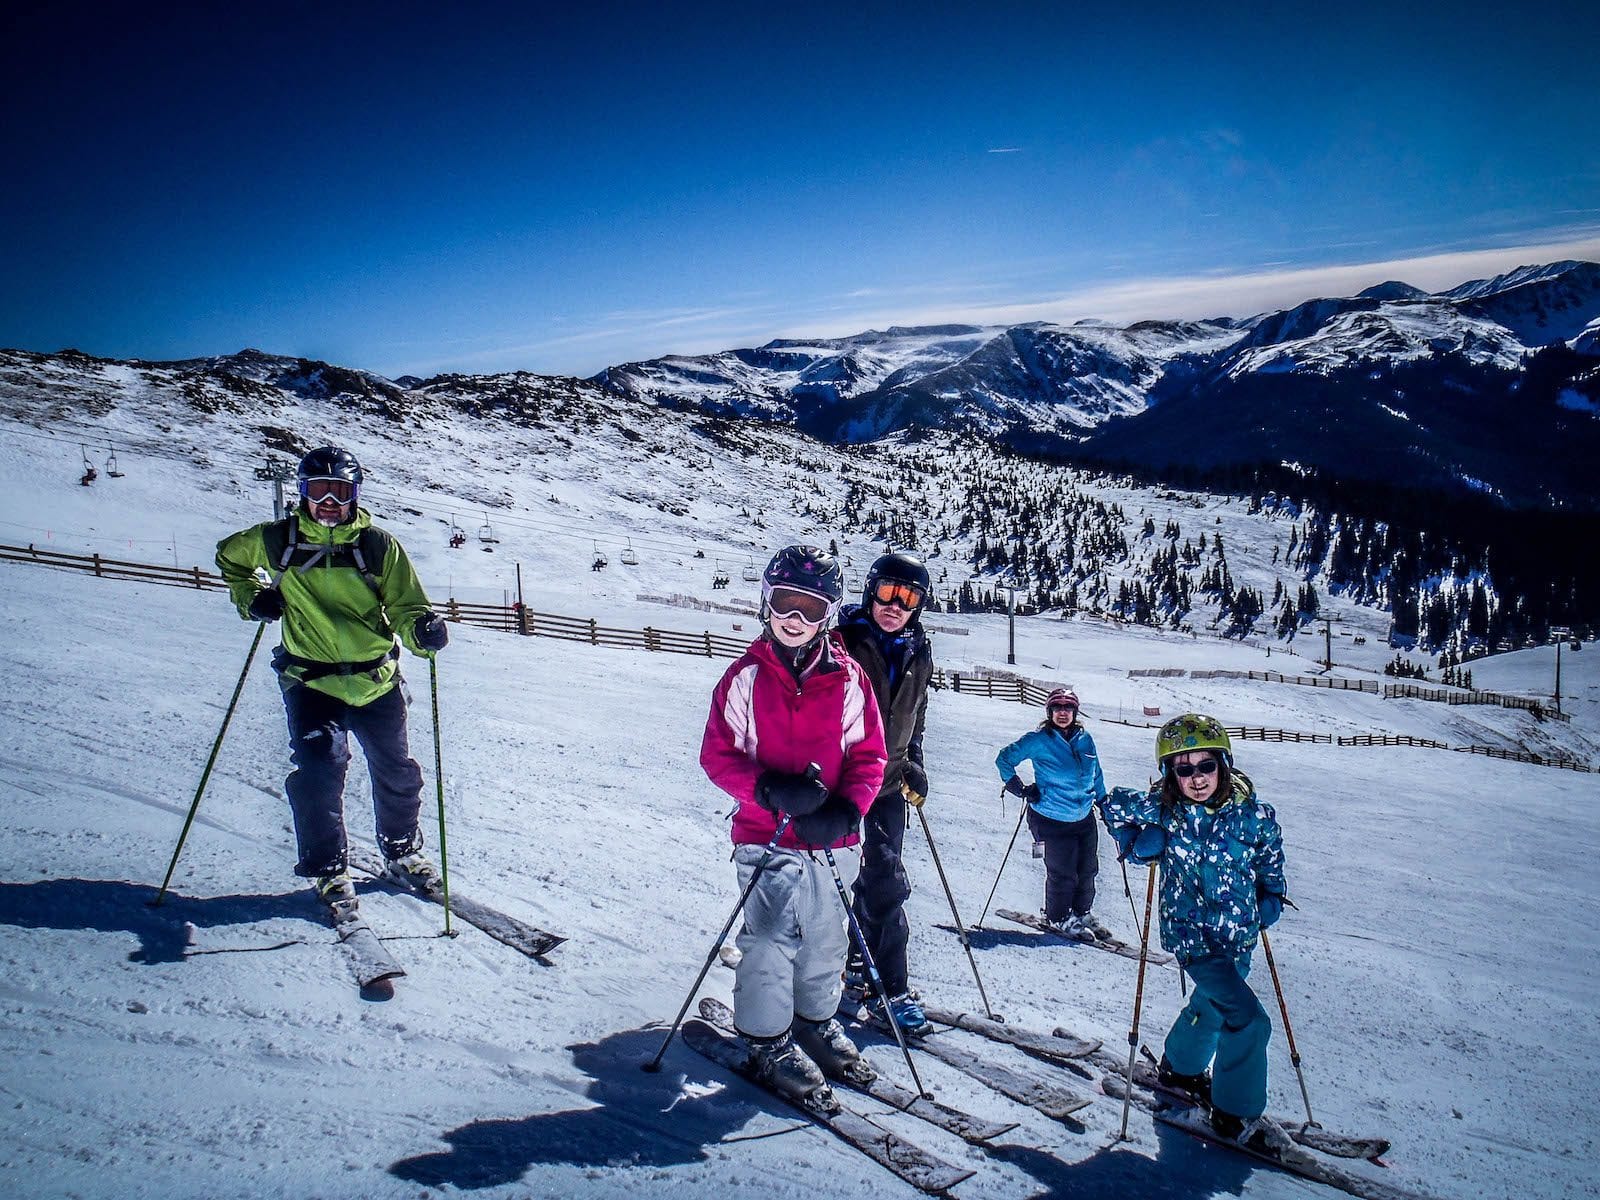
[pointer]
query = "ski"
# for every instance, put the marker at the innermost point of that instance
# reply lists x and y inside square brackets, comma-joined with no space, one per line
[964,1125]
[1055,1048]
[1271,1144]
[1327,1141]
[1054,1102]
[503,927]
[1159,958]
[370,961]
[905,1159]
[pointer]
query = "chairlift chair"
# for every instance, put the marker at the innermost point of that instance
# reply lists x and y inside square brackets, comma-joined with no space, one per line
[111,465]
[458,536]
[486,532]
[628,556]
[599,562]
[751,573]
[90,474]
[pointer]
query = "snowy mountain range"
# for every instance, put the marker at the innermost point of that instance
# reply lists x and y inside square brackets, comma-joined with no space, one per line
[1393,383]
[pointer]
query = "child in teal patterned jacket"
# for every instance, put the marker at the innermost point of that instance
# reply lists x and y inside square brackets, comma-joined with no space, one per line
[1221,856]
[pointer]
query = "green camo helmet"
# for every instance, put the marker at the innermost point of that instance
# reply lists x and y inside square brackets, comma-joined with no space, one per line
[1193,731]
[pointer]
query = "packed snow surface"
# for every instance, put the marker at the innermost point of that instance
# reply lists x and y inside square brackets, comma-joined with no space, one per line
[1440,968]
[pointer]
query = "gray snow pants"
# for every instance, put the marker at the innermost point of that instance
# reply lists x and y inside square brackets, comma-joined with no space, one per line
[794,939]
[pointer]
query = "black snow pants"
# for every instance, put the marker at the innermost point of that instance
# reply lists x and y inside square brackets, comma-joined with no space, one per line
[881,892]
[1071,861]
[319,747]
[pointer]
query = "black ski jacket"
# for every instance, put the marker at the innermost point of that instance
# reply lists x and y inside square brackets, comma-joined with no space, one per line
[904,712]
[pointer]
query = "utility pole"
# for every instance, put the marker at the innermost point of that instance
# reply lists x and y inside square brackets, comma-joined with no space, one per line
[277,473]
[1011,620]
[1327,641]
[1560,633]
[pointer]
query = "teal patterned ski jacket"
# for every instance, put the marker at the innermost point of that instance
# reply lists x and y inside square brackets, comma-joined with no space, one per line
[1216,864]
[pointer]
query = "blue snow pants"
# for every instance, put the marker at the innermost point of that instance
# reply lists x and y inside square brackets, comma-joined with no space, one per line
[319,747]
[1223,1026]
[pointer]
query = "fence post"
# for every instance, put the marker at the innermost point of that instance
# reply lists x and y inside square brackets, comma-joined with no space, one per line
[197,580]
[455,609]
[708,643]
[97,570]
[594,632]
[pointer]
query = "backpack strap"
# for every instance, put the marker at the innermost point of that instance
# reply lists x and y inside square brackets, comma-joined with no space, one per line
[281,539]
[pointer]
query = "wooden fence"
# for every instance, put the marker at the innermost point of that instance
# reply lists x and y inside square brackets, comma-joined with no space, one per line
[517,619]
[114,568]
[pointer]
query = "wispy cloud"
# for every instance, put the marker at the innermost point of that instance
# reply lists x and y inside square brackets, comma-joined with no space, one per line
[1004,150]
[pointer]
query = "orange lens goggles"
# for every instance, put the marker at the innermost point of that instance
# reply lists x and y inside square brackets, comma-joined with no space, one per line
[906,595]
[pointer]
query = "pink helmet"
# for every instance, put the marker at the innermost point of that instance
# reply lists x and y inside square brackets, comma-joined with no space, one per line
[1061,698]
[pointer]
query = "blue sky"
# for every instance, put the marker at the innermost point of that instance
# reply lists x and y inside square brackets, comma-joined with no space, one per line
[523,187]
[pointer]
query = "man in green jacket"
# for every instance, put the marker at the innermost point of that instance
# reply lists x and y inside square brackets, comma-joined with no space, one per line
[344,590]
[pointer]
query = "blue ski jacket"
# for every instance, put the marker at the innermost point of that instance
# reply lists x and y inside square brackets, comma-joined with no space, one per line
[1065,766]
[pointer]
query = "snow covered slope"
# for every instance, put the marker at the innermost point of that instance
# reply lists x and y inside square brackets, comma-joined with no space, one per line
[1440,969]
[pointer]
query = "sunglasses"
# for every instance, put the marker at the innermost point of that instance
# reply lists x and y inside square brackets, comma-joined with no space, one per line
[907,595]
[790,602]
[1185,770]
[319,490]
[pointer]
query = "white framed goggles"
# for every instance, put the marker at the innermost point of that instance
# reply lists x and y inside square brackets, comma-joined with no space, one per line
[792,602]
[323,488]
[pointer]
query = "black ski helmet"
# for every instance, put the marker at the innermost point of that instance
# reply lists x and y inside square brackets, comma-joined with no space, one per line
[331,462]
[806,569]
[899,567]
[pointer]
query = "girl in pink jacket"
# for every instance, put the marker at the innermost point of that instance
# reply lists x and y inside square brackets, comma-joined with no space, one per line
[792,702]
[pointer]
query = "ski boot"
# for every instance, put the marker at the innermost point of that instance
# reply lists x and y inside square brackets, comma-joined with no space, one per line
[414,871]
[856,992]
[905,1010]
[1196,1087]
[336,887]
[1091,928]
[832,1050]
[1067,926]
[785,1068]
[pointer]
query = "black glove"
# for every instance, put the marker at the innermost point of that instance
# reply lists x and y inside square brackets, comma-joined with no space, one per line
[430,632]
[797,795]
[1031,793]
[914,777]
[1014,786]
[267,604]
[828,825]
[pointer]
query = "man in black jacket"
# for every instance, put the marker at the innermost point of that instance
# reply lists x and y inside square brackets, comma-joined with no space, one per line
[884,635]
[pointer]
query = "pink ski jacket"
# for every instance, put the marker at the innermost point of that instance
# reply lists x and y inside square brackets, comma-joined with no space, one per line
[762,720]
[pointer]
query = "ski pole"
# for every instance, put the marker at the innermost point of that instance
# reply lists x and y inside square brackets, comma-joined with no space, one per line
[872,973]
[1288,1029]
[205,775]
[1138,1002]
[655,1063]
[950,896]
[1004,860]
[438,779]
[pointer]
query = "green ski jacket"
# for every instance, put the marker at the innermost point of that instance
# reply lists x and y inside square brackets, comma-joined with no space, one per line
[339,621]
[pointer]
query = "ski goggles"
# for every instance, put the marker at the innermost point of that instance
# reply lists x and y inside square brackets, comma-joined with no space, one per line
[792,602]
[1185,770]
[890,591]
[319,490]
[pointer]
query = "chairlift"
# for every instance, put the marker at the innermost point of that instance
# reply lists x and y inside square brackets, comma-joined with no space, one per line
[628,556]
[599,561]
[90,474]
[719,577]
[458,536]
[486,532]
[751,573]
[111,465]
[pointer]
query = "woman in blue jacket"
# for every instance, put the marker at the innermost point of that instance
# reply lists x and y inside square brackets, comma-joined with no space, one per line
[1067,783]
